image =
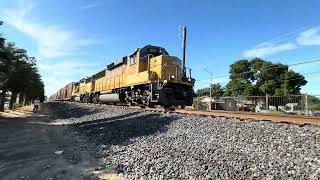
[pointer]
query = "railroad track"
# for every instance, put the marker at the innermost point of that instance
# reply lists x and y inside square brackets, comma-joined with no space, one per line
[290,119]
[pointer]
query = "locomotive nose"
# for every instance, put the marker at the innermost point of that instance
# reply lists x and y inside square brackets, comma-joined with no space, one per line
[172,68]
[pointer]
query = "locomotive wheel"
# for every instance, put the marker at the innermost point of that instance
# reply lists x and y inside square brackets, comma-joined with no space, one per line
[168,108]
[142,106]
[146,98]
[129,103]
[95,99]
[151,106]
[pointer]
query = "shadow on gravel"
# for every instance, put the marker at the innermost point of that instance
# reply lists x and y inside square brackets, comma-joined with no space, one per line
[120,129]
[65,110]
[28,146]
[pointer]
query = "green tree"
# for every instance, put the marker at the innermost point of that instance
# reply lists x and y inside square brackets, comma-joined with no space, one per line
[18,74]
[268,77]
[260,77]
[292,83]
[6,68]
[203,92]
[216,91]
[313,103]
[241,77]
[2,40]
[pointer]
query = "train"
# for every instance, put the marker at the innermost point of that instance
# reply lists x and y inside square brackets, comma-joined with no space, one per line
[146,77]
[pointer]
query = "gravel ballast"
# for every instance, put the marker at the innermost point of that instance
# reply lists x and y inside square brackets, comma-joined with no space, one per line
[150,145]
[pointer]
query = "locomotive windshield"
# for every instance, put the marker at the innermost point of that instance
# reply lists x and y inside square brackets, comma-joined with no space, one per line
[152,50]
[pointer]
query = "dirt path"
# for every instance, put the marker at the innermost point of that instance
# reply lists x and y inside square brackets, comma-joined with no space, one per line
[28,145]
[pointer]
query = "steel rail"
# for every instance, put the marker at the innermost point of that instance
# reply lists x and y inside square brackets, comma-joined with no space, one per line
[289,119]
[276,118]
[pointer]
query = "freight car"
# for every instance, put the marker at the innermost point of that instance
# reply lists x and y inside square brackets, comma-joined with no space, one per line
[69,91]
[65,93]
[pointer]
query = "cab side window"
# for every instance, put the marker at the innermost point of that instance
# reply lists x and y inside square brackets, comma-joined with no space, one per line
[132,59]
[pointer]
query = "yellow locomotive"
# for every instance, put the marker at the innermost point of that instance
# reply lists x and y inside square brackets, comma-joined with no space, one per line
[149,76]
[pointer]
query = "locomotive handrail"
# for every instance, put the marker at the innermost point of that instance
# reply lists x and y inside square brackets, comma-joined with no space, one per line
[186,68]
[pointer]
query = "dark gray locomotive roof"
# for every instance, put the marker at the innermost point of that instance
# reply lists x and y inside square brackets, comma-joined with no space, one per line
[145,51]
[153,50]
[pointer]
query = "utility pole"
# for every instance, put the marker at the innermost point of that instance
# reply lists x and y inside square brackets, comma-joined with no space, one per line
[184,51]
[210,87]
[267,102]
[306,103]
[198,99]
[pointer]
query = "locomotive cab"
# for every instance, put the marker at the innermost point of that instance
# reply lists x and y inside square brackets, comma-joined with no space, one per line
[168,84]
[141,57]
[160,65]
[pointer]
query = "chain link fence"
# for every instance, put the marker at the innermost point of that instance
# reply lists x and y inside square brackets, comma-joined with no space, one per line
[294,104]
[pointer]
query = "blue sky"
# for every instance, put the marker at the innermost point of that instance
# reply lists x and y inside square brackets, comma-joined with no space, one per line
[75,39]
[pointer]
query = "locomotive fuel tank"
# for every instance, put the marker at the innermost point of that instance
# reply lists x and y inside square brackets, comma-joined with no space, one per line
[77,99]
[110,98]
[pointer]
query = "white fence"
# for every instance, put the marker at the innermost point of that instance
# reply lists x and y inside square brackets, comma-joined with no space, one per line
[294,104]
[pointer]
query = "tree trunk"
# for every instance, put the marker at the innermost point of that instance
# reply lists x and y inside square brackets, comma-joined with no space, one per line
[12,99]
[20,98]
[2,99]
[24,99]
[27,100]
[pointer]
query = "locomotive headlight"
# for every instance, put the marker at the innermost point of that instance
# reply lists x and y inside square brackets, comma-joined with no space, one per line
[172,77]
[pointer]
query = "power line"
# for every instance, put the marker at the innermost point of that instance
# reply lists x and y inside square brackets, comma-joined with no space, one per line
[287,35]
[268,67]
[293,77]
[283,80]
[279,66]
[306,62]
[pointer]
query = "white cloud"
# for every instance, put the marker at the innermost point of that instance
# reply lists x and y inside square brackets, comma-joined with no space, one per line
[57,75]
[309,37]
[65,67]
[52,40]
[89,6]
[268,48]
[55,84]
